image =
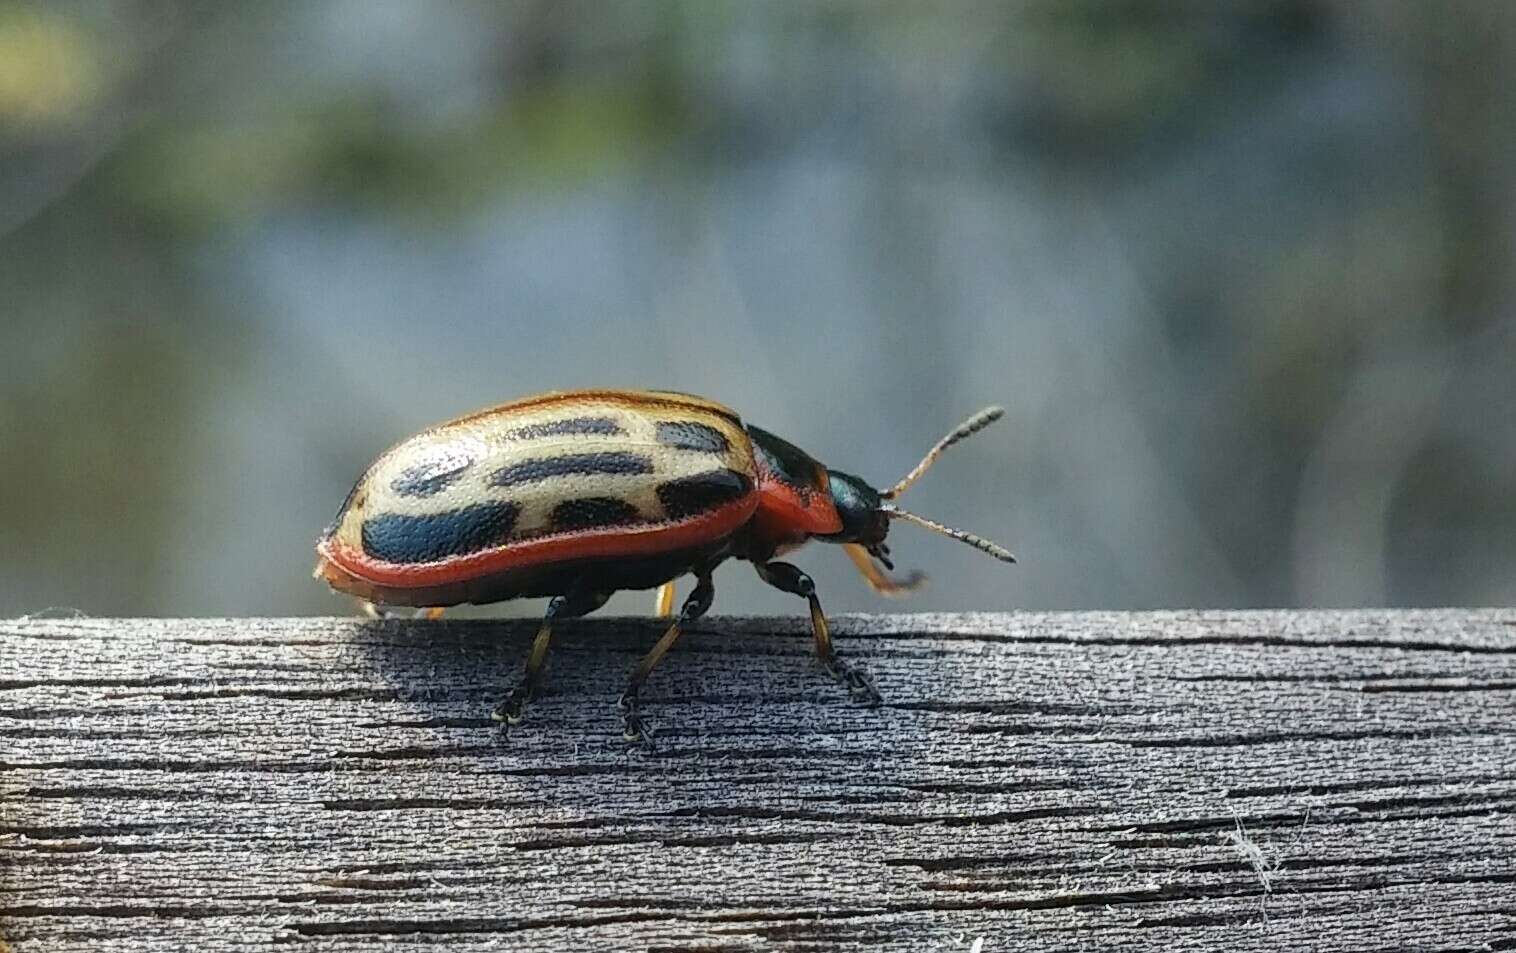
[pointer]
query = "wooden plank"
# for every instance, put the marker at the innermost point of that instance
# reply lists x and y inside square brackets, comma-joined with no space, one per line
[1169,781]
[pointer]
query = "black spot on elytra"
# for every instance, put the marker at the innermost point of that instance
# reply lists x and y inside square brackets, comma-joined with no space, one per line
[432,476]
[689,435]
[592,512]
[544,468]
[396,538]
[570,425]
[787,462]
[694,495]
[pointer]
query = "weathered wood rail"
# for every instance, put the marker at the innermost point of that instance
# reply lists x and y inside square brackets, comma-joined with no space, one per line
[1175,781]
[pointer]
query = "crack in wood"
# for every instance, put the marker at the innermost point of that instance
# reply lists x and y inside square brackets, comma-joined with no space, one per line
[157,681]
[892,820]
[1164,642]
[497,925]
[428,803]
[1341,787]
[1439,686]
[1239,740]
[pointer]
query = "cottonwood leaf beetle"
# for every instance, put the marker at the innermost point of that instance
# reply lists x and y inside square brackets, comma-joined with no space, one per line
[575,495]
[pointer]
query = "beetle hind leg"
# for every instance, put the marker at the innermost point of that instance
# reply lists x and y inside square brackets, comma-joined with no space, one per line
[512,709]
[380,612]
[663,600]
[695,606]
[788,578]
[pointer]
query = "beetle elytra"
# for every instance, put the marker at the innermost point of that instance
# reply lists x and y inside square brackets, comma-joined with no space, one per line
[578,494]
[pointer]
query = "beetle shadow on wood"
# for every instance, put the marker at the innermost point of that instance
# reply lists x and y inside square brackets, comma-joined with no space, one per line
[747,726]
[732,685]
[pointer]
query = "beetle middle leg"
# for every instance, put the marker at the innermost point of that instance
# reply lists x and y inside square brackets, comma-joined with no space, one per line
[788,578]
[513,707]
[694,607]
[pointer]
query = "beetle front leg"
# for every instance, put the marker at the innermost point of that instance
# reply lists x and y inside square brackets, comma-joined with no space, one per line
[513,708]
[856,680]
[694,607]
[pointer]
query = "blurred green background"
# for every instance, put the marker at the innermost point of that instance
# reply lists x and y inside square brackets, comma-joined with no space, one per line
[1242,273]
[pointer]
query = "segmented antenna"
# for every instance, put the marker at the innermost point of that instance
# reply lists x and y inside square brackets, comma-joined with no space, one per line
[978,542]
[968,428]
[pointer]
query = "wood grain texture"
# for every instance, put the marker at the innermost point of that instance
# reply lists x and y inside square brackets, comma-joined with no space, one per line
[1176,781]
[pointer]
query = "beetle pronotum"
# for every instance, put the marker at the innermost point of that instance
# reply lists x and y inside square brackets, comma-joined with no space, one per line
[575,495]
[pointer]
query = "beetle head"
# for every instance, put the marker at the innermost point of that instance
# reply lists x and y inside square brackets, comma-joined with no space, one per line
[860,508]
[866,512]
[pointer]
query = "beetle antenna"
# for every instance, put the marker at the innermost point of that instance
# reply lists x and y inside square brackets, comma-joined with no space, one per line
[966,429]
[978,542]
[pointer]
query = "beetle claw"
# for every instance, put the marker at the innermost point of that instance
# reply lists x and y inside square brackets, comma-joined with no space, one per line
[633,729]
[512,711]
[859,684]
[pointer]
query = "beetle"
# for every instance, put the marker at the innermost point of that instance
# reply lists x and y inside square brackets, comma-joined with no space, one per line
[574,495]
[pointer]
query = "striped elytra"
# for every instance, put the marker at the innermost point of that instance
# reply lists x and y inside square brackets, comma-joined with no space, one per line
[549,479]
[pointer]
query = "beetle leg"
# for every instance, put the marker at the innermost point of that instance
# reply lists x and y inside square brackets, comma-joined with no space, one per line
[663,605]
[788,578]
[877,579]
[513,708]
[381,612]
[694,607]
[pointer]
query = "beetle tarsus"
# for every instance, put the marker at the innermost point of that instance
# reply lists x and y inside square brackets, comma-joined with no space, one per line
[856,679]
[633,728]
[512,710]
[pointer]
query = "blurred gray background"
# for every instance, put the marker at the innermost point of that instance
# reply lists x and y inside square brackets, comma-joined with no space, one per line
[1241,272]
